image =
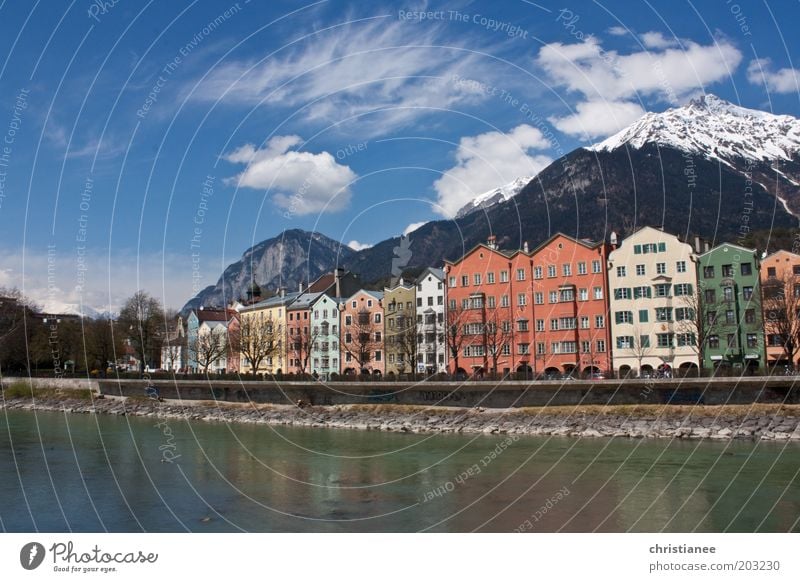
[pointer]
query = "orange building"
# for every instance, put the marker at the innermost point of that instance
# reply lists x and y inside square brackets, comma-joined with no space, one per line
[361,337]
[780,287]
[488,320]
[570,307]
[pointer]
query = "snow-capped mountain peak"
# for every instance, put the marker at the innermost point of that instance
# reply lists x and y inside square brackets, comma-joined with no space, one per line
[492,197]
[713,128]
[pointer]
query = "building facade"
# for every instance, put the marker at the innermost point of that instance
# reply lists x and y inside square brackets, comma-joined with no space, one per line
[300,333]
[361,336]
[402,341]
[780,288]
[652,280]
[263,332]
[325,325]
[570,309]
[430,317]
[731,329]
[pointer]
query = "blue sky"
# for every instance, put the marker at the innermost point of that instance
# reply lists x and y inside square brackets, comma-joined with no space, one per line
[152,143]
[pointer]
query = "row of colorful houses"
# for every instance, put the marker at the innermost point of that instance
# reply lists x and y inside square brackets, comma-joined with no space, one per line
[649,303]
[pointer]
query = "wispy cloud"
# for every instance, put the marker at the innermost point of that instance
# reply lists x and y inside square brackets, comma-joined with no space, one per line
[762,72]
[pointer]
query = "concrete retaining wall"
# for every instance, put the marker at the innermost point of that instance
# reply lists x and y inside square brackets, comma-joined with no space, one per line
[61,383]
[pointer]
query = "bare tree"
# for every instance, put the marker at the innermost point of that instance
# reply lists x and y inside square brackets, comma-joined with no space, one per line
[699,320]
[142,320]
[257,339]
[496,333]
[781,301]
[210,347]
[640,347]
[302,343]
[360,340]
[454,334]
[407,341]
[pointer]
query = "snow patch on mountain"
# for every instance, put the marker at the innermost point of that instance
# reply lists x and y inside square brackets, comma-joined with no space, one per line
[716,129]
[492,197]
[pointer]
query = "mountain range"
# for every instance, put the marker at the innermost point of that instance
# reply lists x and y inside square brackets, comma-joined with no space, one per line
[709,168]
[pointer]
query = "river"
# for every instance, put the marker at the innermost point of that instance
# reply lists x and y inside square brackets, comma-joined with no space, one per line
[94,473]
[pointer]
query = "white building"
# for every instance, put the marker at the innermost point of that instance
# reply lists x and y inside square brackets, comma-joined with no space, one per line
[652,279]
[432,356]
[325,331]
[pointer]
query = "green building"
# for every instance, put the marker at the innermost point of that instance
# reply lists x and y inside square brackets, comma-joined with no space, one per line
[730,324]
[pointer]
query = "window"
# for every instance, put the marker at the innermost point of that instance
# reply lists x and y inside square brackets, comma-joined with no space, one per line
[732,340]
[506,327]
[796,269]
[775,340]
[770,271]
[584,322]
[661,268]
[598,292]
[554,325]
[566,269]
[623,317]
[708,272]
[506,351]
[541,349]
[537,272]
[624,342]
[581,268]
[727,293]
[551,270]
[419,301]
[730,316]
[663,313]
[637,249]
[644,341]
[620,271]
[538,298]
[567,295]
[596,266]
[685,340]
[684,314]
[662,289]
[490,278]
[601,346]
[430,302]
[520,274]
[504,301]
[747,293]
[711,317]
[711,296]
[584,294]
[504,276]
[622,293]
[746,269]
[662,247]
[752,340]
[540,325]
[523,349]
[750,316]
[680,266]
[641,292]
[713,342]
[522,299]
[491,301]
[642,316]
[377,318]
[451,282]
[567,322]
[553,296]
[665,340]
[465,304]
[683,289]
[348,320]
[465,280]
[727,270]
[522,325]
[476,303]
[640,270]
[599,321]
[585,346]
[477,278]
[452,304]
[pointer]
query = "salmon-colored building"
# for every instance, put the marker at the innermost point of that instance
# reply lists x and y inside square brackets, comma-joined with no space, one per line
[488,321]
[361,338]
[570,307]
[780,286]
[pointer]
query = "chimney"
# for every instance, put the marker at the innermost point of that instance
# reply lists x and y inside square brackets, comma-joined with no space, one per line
[697,246]
[613,240]
[300,287]
[706,246]
[401,281]
[283,291]
[525,247]
[337,274]
[491,242]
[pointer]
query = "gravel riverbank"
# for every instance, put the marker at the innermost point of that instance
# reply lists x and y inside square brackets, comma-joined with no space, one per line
[756,422]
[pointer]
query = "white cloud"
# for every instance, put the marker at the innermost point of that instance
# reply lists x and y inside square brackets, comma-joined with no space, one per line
[358,246]
[300,182]
[388,72]
[656,40]
[412,227]
[663,71]
[761,72]
[617,31]
[598,118]
[487,161]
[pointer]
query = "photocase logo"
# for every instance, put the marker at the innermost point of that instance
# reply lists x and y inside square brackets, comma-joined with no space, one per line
[32,555]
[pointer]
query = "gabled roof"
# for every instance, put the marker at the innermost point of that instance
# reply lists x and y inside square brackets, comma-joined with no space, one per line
[584,242]
[506,254]
[782,251]
[374,294]
[727,244]
[210,314]
[436,272]
[304,301]
[277,301]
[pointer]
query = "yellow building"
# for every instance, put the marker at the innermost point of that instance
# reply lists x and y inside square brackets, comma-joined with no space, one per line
[264,335]
[399,312]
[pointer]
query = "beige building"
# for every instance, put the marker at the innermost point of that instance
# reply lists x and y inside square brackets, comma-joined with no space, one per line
[402,341]
[652,280]
[267,322]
